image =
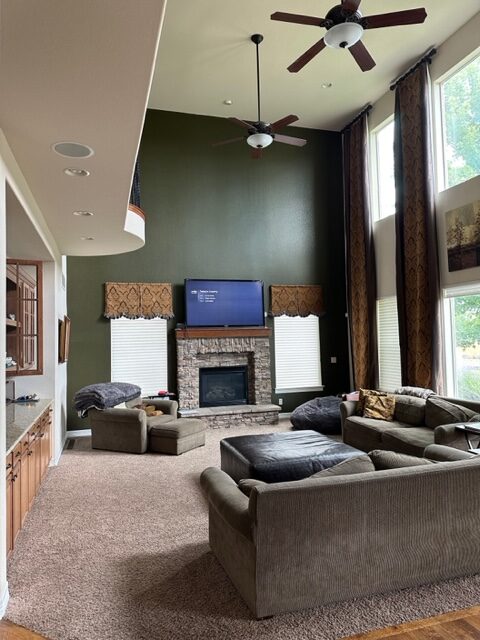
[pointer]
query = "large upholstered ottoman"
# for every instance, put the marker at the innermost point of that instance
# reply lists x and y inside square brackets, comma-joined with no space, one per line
[280,457]
[177,436]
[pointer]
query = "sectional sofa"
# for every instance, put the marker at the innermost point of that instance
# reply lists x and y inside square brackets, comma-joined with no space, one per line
[310,542]
[416,424]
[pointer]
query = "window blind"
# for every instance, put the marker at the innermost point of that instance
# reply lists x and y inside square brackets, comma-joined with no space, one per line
[297,354]
[390,376]
[139,353]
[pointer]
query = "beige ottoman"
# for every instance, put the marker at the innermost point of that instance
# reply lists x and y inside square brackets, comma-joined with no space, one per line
[177,436]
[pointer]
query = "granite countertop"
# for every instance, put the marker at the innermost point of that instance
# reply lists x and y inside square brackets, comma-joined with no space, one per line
[20,417]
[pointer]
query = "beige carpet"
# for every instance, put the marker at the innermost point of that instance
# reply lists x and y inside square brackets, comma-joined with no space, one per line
[116,547]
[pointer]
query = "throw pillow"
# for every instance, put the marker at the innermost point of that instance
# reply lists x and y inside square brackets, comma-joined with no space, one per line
[439,411]
[418,392]
[359,464]
[362,395]
[379,407]
[246,485]
[392,460]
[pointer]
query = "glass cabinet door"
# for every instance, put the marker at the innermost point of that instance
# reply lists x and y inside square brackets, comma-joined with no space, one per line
[24,318]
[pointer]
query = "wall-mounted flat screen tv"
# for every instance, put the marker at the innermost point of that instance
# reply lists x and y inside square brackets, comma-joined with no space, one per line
[224,303]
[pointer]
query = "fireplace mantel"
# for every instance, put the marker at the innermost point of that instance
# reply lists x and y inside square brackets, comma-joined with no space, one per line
[222,332]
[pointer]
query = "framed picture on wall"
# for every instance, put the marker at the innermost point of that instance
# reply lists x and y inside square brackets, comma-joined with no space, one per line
[64,339]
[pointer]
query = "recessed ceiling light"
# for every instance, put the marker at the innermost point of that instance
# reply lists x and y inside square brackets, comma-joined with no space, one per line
[72,150]
[76,173]
[87,238]
[228,102]
[327,85]
[83,213]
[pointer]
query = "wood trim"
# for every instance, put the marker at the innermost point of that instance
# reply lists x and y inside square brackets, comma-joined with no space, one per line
[222,332]
[404,631]
[10,631]
[136,210]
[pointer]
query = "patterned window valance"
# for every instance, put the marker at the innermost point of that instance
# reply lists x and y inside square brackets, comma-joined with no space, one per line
[296,300]
[138,300]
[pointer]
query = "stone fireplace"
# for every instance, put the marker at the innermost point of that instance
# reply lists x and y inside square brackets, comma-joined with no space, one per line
[214,348]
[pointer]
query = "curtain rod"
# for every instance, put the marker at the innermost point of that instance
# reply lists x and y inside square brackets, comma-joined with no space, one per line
[364,111]
[426,58]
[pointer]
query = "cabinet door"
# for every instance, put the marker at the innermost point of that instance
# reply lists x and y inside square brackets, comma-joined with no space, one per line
[32,466]
[24,484]
[16,501]
[9,504]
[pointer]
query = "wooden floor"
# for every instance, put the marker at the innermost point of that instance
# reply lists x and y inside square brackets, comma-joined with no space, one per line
[10,631]
[459,625]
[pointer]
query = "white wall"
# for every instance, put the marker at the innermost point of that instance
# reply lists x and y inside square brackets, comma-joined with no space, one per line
[3,313]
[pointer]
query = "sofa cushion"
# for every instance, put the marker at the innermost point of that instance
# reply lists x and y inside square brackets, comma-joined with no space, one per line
[411,441]
[247,484]
[157,421]
[360,464]
[439,411]
[379,407]
[366,433]
[362,395]
[410,410]
[393,460]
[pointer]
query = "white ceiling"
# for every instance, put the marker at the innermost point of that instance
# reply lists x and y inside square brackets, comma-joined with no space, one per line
[23,241]
[80,71]
[205,56]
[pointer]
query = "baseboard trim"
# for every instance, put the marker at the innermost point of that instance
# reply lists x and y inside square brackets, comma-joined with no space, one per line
[80,433]
[4,601]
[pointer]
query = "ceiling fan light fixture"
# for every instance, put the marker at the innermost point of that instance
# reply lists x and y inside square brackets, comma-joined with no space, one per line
[260,140]
[344,35]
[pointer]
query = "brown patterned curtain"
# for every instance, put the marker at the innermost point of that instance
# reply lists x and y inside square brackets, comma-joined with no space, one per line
[418,283]
[138,300]
[296,300]
[360,258]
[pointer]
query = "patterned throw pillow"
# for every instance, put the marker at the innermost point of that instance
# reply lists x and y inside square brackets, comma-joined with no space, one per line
[362,395]
[379,407]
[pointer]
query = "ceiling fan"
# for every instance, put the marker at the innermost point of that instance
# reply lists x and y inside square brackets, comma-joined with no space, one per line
[261,134]
[345,26]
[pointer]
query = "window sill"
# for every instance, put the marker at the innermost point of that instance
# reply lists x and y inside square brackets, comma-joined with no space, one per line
[299,389]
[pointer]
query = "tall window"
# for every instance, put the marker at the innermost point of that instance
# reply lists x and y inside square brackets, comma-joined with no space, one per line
[139,353]
[389,366]
[462,312]
[383,171]
[297,354]
[460,101]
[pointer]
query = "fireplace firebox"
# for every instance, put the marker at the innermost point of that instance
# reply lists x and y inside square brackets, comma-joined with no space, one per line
[222,386]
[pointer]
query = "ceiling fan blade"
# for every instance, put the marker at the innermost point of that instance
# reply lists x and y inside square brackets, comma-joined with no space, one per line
[397,18]
[283,122]
[350,5]
[219,144]
[256,153]
[307,56]
[241,123]
[362,57]
[296,142]
[296,18]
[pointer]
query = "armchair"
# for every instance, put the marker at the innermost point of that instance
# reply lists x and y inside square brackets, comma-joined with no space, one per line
[127,429]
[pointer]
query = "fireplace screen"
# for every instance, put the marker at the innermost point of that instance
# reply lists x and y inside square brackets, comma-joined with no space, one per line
[220,386]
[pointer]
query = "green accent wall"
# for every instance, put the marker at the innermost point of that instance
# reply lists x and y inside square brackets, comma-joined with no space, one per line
[213,212]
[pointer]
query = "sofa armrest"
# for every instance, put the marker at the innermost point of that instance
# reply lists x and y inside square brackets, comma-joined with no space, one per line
[448,435]
[347,408]
[226,498]
[113,415]
[441,453]
[169,407]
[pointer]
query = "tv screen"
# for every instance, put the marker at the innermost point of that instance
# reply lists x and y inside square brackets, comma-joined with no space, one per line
[224,303]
